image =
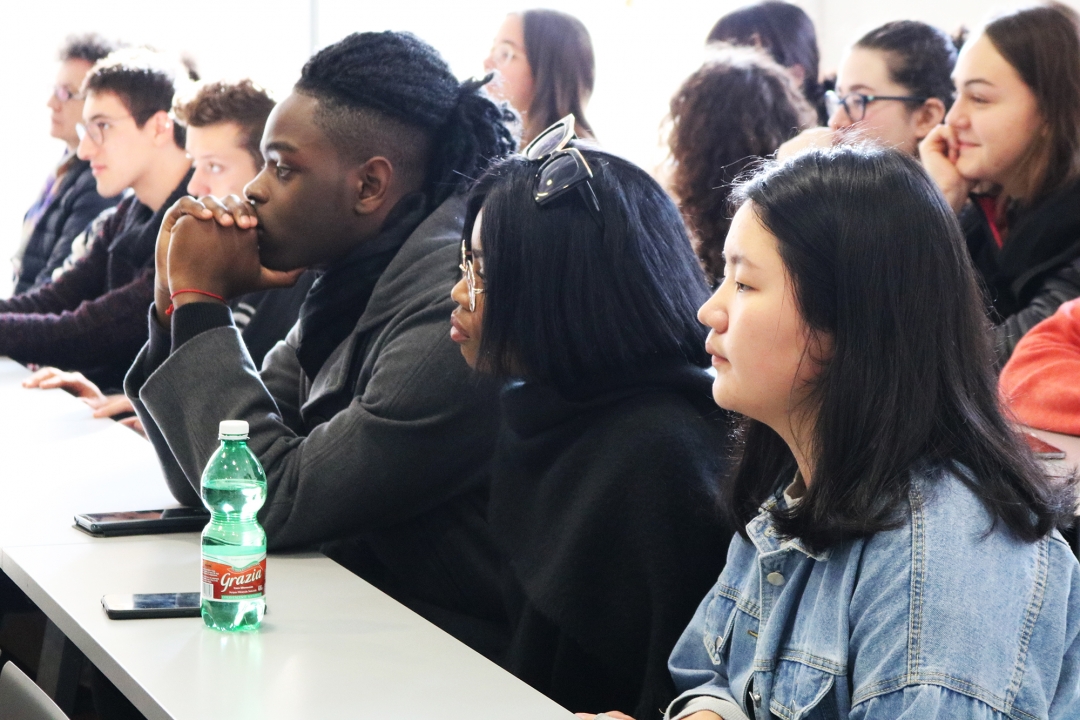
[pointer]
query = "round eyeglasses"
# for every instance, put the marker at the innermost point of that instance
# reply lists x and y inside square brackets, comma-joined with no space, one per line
[854,104]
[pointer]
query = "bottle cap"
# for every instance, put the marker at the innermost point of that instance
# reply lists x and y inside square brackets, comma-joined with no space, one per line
[232,428]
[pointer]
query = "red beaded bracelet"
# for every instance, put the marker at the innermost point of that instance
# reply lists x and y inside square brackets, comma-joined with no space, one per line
[169,310]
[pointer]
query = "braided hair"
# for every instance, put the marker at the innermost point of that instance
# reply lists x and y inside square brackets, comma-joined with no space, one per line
[391,92]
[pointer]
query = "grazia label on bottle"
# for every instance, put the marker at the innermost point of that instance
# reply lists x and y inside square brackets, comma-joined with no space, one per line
[235,578]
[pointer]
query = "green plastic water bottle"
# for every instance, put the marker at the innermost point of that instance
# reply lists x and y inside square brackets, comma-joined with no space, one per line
[233,542]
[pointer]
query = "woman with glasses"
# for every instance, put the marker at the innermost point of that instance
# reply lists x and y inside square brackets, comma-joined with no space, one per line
[543,60]
[1008,161]
[579,290]
[892,88]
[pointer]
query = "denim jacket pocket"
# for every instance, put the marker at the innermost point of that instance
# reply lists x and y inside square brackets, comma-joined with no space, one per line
[719,623]
[801,691]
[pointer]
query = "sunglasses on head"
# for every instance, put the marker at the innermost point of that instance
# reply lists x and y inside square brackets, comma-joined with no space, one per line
[563,168]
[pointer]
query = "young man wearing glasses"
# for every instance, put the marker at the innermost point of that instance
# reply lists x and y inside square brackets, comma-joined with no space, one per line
[69,200]
[93,317]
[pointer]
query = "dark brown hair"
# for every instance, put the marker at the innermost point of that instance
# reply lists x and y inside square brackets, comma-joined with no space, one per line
[560,55]
[143,79]
[919,57]
[783,30]
[737,109]
[1042,43]
[243,103]
[89,47]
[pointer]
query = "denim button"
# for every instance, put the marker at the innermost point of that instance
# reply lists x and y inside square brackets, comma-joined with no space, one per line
[775,578]
[757,698]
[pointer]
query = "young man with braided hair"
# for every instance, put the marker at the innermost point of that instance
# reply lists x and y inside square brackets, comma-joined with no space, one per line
[370,427]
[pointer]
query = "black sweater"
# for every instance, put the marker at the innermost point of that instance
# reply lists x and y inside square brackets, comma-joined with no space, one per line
[1036,270]
[605,508]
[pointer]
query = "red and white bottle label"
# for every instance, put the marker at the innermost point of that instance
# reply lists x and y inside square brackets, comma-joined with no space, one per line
[221,580]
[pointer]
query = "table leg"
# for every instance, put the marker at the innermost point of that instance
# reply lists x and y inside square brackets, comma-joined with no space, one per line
[60,666]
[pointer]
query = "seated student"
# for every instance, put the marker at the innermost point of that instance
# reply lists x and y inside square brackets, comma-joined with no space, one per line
[92,318]
[603,476]
[70,199]
[733,112]
[893,87]
[544,68]
[1041,381]
[224,123]
[372,431]
[1008,161]
[784,31]
[897,557]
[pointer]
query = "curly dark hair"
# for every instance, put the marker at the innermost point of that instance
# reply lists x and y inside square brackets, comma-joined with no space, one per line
[243,103]
[393,91]
[735,110]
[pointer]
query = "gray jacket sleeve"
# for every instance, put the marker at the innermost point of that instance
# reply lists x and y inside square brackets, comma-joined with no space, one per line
[1060,287]
[409,442]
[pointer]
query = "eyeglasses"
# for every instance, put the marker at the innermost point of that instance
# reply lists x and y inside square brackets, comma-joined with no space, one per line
[96,130]
[563,168]
[854,104]
[63,94]
[502,54]
[469,274]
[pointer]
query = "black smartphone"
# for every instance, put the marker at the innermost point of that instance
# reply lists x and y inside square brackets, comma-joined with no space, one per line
[152,605]
[143,522]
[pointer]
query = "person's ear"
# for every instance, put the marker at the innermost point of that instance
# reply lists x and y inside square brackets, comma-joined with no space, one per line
[799,73]
[161,128]
[372,185]
[928,116]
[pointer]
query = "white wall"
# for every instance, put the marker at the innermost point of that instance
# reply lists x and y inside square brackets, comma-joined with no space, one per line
[644,49]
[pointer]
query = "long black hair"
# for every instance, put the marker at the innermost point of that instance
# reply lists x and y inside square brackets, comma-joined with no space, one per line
[405,81]
[879,266]
[567,301]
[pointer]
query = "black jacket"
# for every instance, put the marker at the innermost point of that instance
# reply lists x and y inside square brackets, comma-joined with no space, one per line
[76,203]
[1036,270]
[379,460]
[606,510]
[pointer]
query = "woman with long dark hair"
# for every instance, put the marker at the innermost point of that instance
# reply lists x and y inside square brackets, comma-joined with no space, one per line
[580,295]
[545,69]
[897,556]
[1008,160]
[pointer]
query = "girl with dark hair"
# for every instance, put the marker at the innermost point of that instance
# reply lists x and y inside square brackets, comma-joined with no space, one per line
[602,494]
[1008,161]
[897,556]
[893,87]
[783,30]
[545,69]
[733,112]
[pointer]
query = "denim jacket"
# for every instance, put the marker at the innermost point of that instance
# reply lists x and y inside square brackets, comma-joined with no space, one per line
[939,618]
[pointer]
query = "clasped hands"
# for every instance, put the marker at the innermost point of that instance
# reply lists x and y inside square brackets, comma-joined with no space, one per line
[210,245]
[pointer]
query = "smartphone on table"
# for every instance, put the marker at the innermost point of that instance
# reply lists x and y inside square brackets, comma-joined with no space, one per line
[152,605]
[143,522]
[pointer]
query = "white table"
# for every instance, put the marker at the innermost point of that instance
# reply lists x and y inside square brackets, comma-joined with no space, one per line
[332,646]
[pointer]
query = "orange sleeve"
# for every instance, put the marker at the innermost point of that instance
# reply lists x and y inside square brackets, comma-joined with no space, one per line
[1041,381]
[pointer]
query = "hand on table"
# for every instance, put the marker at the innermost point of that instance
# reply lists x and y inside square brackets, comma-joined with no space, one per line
[939,152]
[104,406]
[211,245]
